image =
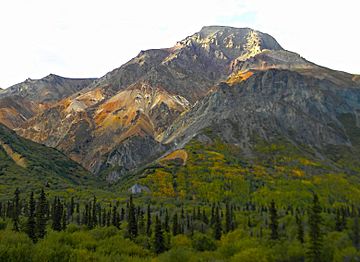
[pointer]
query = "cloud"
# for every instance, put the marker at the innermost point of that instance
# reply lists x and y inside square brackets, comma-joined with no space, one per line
[89,38]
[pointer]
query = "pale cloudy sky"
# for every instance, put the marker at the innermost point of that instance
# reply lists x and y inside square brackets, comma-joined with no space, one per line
[87,38]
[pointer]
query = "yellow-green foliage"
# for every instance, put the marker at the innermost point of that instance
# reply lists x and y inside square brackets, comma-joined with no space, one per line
[207,175]
[101,244]
[278,170]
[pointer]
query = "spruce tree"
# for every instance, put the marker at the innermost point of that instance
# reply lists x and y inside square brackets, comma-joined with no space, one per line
[16,210]
[90,221]
[217,224]
[31,223]
[57,214]
[338,222]
[132,224]
[175,228]
[204,217]
[141,222]
[315,222]
[64,220]
[166,222]
[94,218]
[115,217]
[356,233]
[122,215]
[300,228]
[41,215]
[274,225]
[212,219]
[103,221]
[159,241]
[228,218]
[344,213]
[148,221]
[72,207]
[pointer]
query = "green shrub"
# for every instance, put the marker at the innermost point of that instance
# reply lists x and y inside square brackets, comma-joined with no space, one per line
[178,254]
[15,247]
[202,242]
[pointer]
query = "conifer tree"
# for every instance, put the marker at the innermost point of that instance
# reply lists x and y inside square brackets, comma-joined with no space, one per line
[16,210]
[103,220]
[94,218]
[228,218]
[356,233]
[31,223]
[204,217]
[166,222]
[57,214]
[64,220]
[41,213]
[132,224]
[72,207]
[90,221]
[315,222]
[175,228]
[274,225]
[338,222]
[300,228]
[122,216]
[148,221]
[249,223]
[115,217]
[344,213]
[108,218]
[141,222]
[212,218]
[217,224]
[159,241]
[78,214]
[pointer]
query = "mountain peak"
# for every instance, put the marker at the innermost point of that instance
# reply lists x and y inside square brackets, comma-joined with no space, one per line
[232,42]
[207,30]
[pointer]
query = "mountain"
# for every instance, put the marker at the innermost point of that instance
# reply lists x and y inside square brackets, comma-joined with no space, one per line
[33,166]
[236,81]
[22,101]
[275,103]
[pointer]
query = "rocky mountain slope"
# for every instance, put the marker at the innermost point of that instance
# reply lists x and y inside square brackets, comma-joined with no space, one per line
[271,103]
[162,98]
[22,101]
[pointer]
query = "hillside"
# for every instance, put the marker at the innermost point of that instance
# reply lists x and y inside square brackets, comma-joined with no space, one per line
[31,166]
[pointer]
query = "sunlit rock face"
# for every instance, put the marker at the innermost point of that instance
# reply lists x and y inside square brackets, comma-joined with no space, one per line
[162,98]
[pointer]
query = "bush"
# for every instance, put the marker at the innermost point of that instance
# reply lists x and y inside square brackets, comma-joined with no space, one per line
[178,254]
[180,241]
[15,247]
[252,254]
[202,242]
[3,225]
[119,246]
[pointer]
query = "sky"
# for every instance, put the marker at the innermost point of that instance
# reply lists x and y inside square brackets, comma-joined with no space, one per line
[88,38]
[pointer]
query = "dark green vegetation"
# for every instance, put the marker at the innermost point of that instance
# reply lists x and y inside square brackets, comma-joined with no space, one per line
[131,231]
[32,166]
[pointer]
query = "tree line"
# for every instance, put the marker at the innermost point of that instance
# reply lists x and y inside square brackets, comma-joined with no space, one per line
[37,214]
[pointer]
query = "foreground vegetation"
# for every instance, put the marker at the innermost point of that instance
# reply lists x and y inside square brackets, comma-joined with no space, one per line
[37,229]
